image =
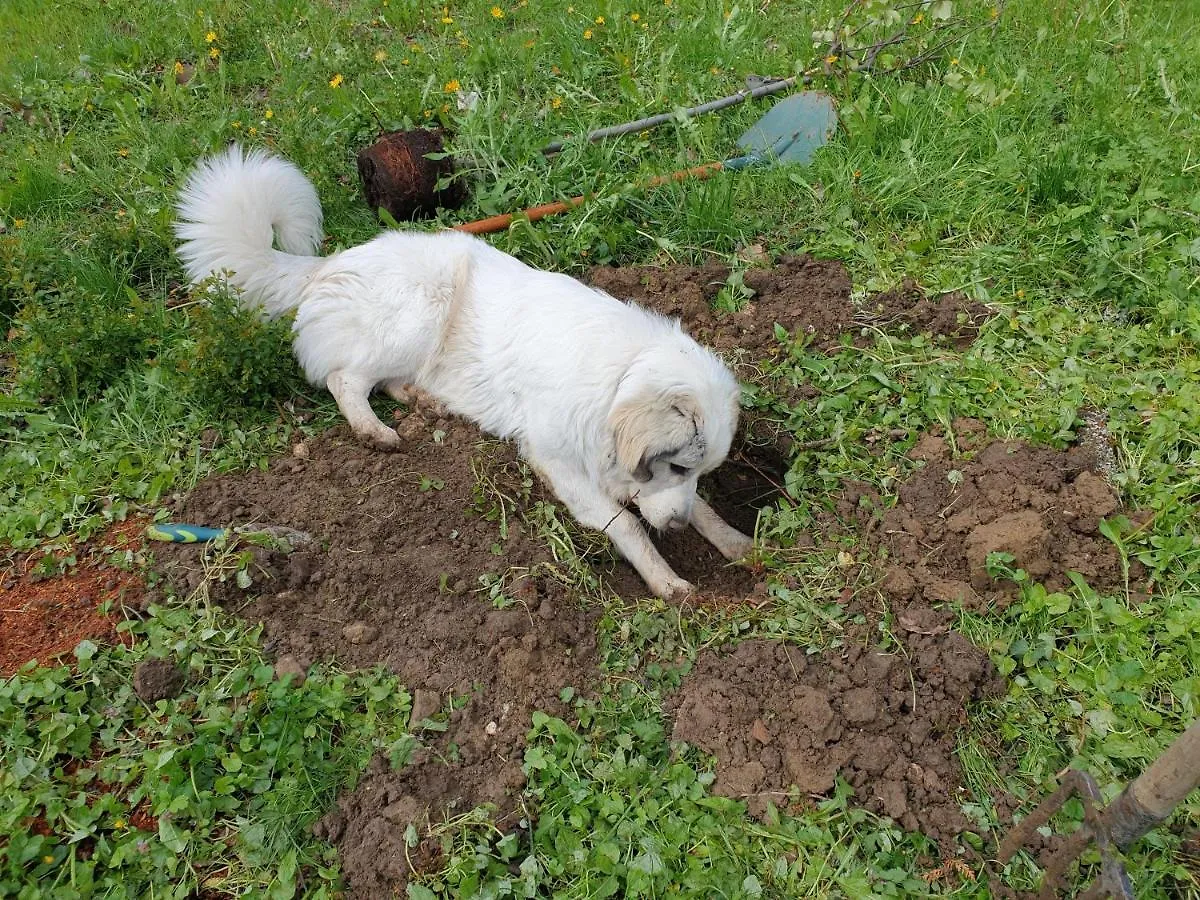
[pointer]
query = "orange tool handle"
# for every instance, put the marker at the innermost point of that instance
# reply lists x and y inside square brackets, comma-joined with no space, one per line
[499,223]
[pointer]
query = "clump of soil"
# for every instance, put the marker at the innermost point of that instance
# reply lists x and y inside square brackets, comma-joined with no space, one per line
[158,679]
[406,550]
[809,298]
[1041,505]
[44,619]
[783,726]
[952,316]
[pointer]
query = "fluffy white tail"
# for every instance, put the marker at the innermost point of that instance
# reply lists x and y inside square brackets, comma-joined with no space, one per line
[233,208]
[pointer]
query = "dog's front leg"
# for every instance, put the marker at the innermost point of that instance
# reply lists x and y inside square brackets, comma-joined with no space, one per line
[594,509]
[634,544]
[731,543]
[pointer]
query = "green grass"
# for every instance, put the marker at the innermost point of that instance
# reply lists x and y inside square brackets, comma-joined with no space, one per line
[1046,165]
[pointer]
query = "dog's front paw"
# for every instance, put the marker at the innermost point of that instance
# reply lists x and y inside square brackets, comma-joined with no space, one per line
[381,438]
[736,546]
[673,588]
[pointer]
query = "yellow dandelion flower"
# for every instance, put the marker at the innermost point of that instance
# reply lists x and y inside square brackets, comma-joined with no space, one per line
[555,102]
[47,859]
[119,823]
[18,223]
[269,114]
[210,37]
[252,131]
[178,67]
[445,108]
[831,59]
[587,34]
[89,107]
[380,55]
[428,113]
[858,173]
[954,62]
[214,52]
[452,85]
[497,12]
[715,70]
[405,61]
[237,125]
[918,18]
[463,42]
[336,80]
[447,20]
[599,20]
[1020,294]
[666,2]
[633,17]
[995,12]
[123,152]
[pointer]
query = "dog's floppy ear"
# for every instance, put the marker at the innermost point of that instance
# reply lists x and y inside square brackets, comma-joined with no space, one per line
[648,428]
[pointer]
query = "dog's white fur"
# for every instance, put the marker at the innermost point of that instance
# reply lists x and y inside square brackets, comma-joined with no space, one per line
[608,402]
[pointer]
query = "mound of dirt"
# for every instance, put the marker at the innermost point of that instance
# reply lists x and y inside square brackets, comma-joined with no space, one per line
[414,563]
[806,296]
[783,726]
[1041,505]
[953,317]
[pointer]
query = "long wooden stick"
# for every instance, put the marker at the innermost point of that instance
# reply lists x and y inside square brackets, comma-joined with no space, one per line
[501,222]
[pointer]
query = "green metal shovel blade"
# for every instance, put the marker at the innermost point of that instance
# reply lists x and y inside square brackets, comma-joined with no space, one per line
[793,129]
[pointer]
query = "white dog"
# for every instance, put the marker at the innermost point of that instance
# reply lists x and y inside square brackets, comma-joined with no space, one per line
[608,402]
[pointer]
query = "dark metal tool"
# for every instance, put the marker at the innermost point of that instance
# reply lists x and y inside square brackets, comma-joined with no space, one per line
[1145,803]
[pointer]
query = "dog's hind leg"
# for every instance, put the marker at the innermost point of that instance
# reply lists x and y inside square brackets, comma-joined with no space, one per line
[352,392]
[731,543]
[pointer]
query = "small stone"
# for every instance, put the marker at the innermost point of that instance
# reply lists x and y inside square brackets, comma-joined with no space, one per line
[157,679]
[360,633]
[759,732]
[287,666]
[425,704]
[491,728]
[546,609]
[300,450]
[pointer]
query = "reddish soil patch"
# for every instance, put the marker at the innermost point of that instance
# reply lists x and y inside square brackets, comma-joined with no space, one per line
[784,725]
[809,298]
[405,549]
[1041,505]
[44,619]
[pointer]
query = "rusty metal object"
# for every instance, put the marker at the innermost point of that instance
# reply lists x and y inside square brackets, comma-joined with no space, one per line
[398,175]
[1145,803]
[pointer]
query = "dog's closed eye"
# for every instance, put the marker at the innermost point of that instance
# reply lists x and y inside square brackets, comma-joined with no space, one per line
[680,470]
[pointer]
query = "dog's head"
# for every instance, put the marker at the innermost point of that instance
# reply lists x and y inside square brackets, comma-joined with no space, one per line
[672,421]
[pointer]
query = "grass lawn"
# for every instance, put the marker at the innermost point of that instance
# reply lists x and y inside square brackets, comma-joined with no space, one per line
[1041,157]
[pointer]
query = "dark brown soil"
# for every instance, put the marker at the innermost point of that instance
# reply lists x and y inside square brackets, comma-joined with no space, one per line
[392,575]
[809,298]
[907,309]
[1041,505]
[784,725]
